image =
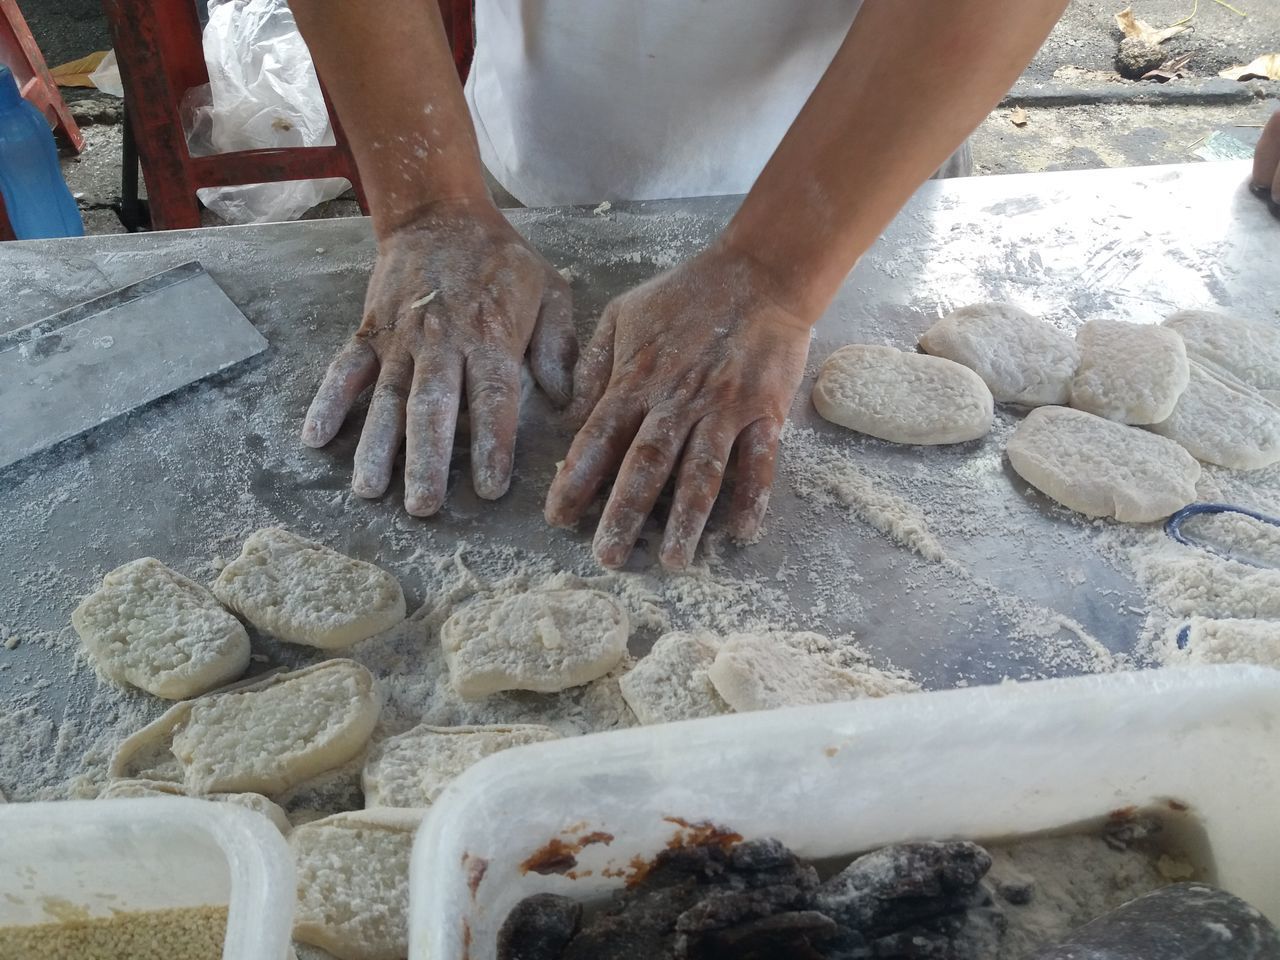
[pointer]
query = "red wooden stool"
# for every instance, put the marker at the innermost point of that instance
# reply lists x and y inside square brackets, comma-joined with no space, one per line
[158,46]
[19,52]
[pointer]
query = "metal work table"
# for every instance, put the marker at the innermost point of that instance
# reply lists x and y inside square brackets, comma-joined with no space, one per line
[192,474]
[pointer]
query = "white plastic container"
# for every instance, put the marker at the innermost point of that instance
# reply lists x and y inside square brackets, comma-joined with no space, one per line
[840,779]
[150,854]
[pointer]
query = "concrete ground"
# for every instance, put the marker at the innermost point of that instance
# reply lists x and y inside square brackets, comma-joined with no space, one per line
[1079,112]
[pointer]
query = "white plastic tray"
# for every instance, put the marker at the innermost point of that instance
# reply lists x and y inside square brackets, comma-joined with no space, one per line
[839,779]
[150,854]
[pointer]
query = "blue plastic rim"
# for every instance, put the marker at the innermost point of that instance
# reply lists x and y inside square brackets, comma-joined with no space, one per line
[1173,526]
[1184,636]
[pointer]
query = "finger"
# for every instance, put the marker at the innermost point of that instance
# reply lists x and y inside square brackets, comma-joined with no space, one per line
[383,431]
[706,456]
[593,456]
[643,474]
[353,369]
[757,458]
[431,418]
[1266,159]
[554,346]
[493,400]
[595,367]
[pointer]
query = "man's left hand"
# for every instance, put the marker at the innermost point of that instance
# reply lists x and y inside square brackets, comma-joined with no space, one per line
[683,371]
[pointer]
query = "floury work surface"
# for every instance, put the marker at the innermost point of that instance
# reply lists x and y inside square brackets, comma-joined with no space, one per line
[938,561]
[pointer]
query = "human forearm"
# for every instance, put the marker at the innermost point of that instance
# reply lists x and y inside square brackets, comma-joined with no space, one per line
[392,80]
[910,82]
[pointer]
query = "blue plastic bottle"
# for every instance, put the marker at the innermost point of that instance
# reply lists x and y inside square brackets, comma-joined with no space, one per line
[36,197]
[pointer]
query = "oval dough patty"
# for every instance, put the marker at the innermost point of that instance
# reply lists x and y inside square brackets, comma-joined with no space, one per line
[1249,350]
[262,738]
[1101,468]
[1129,372]
[412,768]
[153,628]
[1022,359]
[353,883]
[543,640]
[1220,420]
[305,593]
[902,397]
[766,671]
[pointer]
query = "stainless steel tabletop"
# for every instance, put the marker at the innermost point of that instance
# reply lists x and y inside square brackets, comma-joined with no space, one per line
[189,476]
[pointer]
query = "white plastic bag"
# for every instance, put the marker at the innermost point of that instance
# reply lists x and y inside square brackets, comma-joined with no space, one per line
[262,92]
[107,76]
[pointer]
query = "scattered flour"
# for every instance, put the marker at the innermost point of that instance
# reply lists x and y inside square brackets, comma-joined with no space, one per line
[829,476]
[1226,641]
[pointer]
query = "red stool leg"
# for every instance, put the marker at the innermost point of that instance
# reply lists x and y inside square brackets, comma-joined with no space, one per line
[19,51]
[157,44]
[6,231]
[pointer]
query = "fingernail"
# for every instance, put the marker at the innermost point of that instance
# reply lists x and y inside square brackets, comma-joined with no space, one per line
[491,486]
[420,503]
[362,486]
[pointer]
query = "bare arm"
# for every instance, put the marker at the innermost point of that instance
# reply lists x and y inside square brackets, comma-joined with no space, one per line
[391,77]
[701,364]
[457,297]
[911,81]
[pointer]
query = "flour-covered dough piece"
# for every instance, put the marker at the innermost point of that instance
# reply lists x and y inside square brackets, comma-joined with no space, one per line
[353,883]
[543,640]
[1129,372]
[672,683]
[265,737]
[135,789]
[765,671]
[1220,420]
[902,397]
[1022,359]
[152,628]
[1247,349]
[1232,641]
[302,592]
[412,768]
[1102,468]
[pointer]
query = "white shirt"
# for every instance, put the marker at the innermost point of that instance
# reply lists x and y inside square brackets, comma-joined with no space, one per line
[576,101]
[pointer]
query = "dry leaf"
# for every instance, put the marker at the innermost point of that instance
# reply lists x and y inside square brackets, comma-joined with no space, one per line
[1169,70]
[1131,26]
[1266,67]
[1018,117]
[76,73]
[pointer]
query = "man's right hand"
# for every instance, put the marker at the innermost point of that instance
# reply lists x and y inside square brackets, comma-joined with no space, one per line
[1266,163]
[456,299]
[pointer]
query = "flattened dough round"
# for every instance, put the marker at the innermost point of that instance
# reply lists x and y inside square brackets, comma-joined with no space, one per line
[151,627]
[302,592]
[353,883]
[1102,468]
[1022,359]
[141,789]
[1220,420]
[263,738]
[671,683]
[543,640]
[1247,349]
[1129,372]
[412,768]
[902,397]
[765,671]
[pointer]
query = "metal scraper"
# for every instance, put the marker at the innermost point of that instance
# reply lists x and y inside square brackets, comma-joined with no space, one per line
[67,373]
